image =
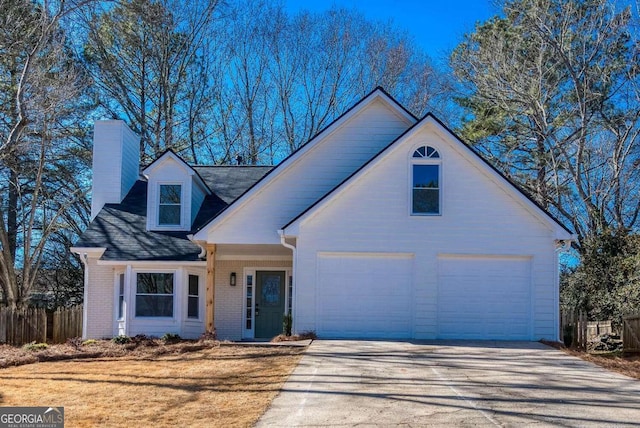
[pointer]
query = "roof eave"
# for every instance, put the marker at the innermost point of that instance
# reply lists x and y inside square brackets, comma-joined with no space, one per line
[92,252]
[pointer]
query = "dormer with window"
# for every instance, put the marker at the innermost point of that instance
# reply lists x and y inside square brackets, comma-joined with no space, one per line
[174,194]
[426,173]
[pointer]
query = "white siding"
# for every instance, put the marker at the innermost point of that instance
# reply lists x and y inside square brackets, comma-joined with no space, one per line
[116,163]
[478,217]
[197,197]
[317,171]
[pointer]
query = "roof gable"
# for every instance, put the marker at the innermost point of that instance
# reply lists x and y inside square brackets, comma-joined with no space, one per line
[378,95]
[430,120]
[170,156]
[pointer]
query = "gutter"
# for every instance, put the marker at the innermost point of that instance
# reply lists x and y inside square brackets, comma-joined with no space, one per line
[203,249]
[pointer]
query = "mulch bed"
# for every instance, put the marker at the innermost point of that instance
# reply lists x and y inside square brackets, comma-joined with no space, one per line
[139,347]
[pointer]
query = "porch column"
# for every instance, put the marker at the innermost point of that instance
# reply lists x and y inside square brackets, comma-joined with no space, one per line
[211,287]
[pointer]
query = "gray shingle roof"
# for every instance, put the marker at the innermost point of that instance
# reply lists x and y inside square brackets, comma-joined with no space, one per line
[121,228]
[229,182]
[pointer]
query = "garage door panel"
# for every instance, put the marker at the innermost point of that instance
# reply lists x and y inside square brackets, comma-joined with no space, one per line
[484,298]
[364,295]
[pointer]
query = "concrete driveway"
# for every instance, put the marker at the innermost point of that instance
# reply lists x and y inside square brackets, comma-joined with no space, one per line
[350,383]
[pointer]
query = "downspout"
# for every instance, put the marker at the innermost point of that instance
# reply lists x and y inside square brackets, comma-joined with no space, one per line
[84,258]
[293,275]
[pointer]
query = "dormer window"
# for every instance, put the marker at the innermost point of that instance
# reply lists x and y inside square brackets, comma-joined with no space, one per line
[175,193]
[170,207]
[425,178]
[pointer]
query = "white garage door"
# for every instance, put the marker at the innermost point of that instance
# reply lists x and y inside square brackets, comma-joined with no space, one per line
[364,295]
[484,298]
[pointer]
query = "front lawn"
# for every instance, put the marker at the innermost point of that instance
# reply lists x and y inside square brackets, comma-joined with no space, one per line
[210,385]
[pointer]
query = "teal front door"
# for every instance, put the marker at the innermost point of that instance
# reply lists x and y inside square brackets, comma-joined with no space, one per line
[269,304]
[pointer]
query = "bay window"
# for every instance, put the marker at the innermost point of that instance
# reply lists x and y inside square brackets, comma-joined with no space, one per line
[154,294]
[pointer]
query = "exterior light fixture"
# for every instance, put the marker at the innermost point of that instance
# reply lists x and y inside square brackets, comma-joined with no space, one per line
[232,279]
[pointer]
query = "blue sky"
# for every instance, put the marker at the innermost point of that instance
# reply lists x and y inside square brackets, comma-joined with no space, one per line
[437,26]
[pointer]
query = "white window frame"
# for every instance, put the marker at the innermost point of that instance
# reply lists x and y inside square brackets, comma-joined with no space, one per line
[134,293]
[200,296]
[121,287]
[425,161]
[180,224]
[120,323]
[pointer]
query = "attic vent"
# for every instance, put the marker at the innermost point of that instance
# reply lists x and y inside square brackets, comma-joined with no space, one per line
[426,152]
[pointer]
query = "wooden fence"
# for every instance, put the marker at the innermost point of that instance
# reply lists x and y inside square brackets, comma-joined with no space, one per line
[631,333]
[573,328]
[18,327]
[67,323]
[597,328]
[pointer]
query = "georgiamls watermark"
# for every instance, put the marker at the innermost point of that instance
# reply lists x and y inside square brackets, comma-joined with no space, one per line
[31,417]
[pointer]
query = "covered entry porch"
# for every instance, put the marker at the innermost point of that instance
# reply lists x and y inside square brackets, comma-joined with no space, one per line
[249,290]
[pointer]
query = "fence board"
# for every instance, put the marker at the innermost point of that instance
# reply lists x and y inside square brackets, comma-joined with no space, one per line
[573,326]
[21,326]
[631,333]
[3,325]
[597,328]
[67,323]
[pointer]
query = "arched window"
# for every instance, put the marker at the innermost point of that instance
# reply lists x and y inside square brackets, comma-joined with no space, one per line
[426,152]
[425,179]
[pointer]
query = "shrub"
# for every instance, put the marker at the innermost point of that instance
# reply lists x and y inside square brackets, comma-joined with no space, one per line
[208,335]
[305,335]
[308,335]
[33,346]
[286,324]
[121,340]
[75,342]
[171,338]
[606,283]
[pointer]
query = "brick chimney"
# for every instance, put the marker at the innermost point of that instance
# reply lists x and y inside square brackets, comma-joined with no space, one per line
[116,163]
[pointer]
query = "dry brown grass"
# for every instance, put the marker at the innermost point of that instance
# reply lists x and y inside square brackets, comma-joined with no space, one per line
[628,365]
[226,385]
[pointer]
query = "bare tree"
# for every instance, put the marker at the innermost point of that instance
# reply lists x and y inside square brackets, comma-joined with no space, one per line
[148,58]
[282,77]
[553,90]
[41,105]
